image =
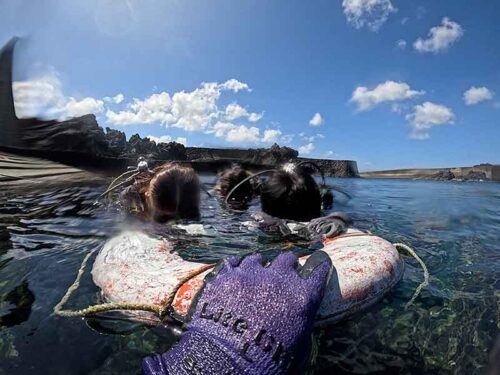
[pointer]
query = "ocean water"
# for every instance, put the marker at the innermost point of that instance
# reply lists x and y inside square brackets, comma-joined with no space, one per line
[450,329]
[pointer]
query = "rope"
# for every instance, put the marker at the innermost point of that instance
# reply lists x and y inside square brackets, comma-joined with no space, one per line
[159,310]
[402,246]
[120,176]
[112,187]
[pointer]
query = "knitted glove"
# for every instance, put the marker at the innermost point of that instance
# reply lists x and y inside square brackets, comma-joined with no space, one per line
[250,319]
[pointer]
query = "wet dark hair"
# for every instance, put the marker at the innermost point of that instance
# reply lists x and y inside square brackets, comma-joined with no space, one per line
[231,177]
[291,193]
[171,191]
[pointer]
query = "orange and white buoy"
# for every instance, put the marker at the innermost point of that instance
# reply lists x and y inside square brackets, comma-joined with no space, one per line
[135,268]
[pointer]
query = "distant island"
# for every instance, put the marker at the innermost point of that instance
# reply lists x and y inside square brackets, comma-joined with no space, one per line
[481,172]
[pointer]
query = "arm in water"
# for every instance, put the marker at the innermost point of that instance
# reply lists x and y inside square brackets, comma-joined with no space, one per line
[250,319]
[317,229]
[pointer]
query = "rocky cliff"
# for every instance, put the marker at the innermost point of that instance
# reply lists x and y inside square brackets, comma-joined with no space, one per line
[266,156]
[336,168]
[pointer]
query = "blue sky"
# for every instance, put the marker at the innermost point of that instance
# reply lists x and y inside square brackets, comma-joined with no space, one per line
[388,83]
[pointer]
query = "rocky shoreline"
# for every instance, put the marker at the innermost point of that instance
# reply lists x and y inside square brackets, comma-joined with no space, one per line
[477,173]
[83,143]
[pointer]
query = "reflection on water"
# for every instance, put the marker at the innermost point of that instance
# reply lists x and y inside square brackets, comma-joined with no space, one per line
[450,328]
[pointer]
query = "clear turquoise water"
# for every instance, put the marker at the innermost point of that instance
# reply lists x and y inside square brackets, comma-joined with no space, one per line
[451,327]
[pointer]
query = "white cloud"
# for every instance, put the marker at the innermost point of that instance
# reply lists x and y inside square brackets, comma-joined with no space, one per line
[369,13]
[182,140]
[271,135]
[316,120]
[153,109]
[117,99]
[287,138]
[426,116]
[160,139]
[40,97]
[235,111]
[75,108]
[399,108]
[192,111]
[440,38]
[311,138]
[43,97]
[242,134]
[306,149]
[254,117]
[167,139]
[234,85]
[388,91]
[220,129]
[476,95]
[401,44]
[329,153]
[195,110]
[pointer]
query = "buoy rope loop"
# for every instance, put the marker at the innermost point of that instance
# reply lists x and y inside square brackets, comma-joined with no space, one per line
[160,310]
[423,284]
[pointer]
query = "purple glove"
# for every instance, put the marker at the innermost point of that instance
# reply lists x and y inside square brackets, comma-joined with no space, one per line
[250,319]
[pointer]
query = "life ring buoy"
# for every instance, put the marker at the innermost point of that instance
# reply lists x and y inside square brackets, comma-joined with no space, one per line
[136,268]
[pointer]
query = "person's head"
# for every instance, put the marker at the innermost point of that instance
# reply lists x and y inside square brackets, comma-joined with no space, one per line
[231,177]
[291,193]
[173,192]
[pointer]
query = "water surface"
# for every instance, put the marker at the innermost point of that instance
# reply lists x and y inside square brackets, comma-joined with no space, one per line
[451,327]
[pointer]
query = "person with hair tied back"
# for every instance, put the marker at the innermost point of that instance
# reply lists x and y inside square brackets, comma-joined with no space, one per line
[291,202]
[169,192]
[231,177]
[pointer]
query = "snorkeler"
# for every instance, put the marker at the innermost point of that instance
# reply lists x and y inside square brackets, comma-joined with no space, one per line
[292,201]
[235,329]
[170,191]
[227,181]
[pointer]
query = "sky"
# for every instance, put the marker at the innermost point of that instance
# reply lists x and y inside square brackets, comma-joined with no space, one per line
[388,83]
